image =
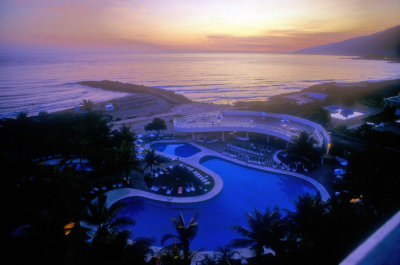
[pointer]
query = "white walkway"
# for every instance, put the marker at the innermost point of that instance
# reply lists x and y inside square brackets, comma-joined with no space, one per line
[117,194]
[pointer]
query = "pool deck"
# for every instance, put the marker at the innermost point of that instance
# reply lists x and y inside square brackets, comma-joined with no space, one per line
[115,195]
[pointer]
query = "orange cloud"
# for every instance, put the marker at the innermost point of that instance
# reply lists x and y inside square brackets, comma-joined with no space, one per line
[186,25]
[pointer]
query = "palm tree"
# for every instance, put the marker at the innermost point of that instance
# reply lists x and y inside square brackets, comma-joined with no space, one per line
[102,218]
[87,105]
[266,230]
[124,133]
[308,216]
[151,159]
[110,246]
[225,255]
[302,146]
[186,233]
[170,256]
[126,159]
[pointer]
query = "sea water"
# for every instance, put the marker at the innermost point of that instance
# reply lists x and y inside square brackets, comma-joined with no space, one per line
[48,82]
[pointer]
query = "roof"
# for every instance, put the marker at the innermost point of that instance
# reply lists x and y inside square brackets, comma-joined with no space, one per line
[307,97]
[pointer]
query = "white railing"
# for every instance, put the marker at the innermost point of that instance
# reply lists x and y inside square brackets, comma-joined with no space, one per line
[233,125]
[217,120]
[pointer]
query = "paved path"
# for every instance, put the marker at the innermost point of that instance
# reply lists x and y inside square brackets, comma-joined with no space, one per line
[115,195]
[207,152]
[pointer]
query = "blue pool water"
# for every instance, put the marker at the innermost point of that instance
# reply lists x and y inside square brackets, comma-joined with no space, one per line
[178,149]
[244,190]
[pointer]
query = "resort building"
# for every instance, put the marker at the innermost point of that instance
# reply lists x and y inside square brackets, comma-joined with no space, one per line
[307,97]
[392,102]
[276,125]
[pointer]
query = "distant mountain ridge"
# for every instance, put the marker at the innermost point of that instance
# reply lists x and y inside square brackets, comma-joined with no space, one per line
[385,43]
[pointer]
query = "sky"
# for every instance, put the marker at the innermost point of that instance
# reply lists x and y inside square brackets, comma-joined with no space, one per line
[190,25]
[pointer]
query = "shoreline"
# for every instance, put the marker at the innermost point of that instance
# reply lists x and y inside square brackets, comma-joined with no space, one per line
[143,104]
[308,88]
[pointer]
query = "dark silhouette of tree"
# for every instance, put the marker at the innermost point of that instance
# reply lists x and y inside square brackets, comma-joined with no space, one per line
[265,230]
[151,159]
[171,255]
[157,125]
[303,146]
[185,234]
[126,152]
[224,255]
[317,114]
[109,244]
[309,213]
[102,218]
[87,105]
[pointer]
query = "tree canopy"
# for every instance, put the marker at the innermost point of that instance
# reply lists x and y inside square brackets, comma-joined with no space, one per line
[157,125]
[302,146]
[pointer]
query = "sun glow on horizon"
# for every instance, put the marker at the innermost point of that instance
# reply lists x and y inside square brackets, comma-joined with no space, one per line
[226,25]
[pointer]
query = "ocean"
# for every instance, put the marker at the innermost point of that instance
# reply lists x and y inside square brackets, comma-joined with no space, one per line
[48,82]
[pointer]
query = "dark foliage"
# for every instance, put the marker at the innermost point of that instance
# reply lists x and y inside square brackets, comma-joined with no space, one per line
[157,124]
[46,202]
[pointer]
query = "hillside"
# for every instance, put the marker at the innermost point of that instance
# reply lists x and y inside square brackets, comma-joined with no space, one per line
[383,43]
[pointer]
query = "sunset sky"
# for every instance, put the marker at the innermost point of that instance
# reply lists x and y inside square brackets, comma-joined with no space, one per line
[189,25]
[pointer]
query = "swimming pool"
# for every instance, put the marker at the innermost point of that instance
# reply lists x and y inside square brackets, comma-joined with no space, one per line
[178,149]
[244,190]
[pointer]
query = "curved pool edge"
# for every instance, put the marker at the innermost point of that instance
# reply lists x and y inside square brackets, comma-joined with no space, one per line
[116,195]
[318,186]
[208,152]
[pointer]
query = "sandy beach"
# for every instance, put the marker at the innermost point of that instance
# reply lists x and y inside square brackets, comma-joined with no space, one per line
[146,103]
[169,115]
[138,109]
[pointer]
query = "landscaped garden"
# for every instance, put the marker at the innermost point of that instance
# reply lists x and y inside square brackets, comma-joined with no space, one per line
[178,180]
[47,203]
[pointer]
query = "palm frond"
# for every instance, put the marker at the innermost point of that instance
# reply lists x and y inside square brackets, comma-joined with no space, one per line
[122,221]
[242,230]
[167,237]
